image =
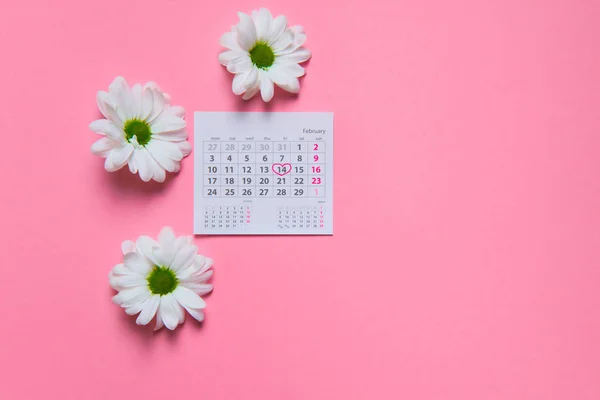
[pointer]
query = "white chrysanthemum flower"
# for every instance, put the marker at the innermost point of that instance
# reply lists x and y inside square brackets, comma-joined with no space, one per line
[162,278]
[142,129]
[263,51]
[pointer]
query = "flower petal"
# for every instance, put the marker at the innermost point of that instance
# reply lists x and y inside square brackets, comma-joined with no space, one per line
[103,146]
[238,86]
[168,311]
[184,257]
[292,85]
[166,237]
[197,314]
[149,310]
[251,92]
[185,147]
[158,172]
[229,56]
[167,123]
[266,87]
[136,95]
[147,103]
[105,104]
[160,153]
[108,128]
[239,65]
[127,281]
[137,263]
[146,246]
[199,288]
[123,96]
[299,56]
[285,39]
[246,31]
[230,40]
[291,69]
[176,111]
[127,246]
[188,299]
[159,321]
[142,162]
[131,296]
[119,156]
[263,24]
[277,27]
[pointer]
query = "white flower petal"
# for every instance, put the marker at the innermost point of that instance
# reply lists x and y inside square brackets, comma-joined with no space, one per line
[188,299]
[123,96]
[199,288]
[126,281]
[229,56]
[168,311]
[103,146]
[299,56]
[136,94]
[108,128]
[105,104]
[161,153]
[166,237]
[185,147]
[277,27]
[277,75]
[197,314]
[121,269]
[238,86]
[285,39]
[158,173]
[128,246]
[142,161]
[159,321]
[184,257]
[131,296]
[251,92]
[146,246]
[173,136]
[121,155]
[176,111]
[239,65]
[252,78]
[266,87]
[137,263]
[263,24]
[292,85]
[246,31]
[167,123]
[147,103]
[149,310]
[230,40]
[291,69]
[159,102]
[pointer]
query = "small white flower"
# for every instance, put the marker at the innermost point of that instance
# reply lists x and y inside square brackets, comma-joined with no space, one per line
[162,278]
[141,130]
[263,51]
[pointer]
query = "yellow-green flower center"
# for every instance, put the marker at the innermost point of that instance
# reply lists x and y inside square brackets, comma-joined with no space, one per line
[162,280]
[138,128]
[262,55]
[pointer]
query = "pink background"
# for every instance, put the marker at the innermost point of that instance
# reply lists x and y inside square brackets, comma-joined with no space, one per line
[464,263]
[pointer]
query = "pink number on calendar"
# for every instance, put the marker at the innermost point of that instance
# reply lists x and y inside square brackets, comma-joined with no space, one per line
[316,147]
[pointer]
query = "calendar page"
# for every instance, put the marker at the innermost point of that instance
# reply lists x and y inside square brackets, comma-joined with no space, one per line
[263,173]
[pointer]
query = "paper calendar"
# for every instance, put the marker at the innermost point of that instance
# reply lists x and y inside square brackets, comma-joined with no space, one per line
[263,173]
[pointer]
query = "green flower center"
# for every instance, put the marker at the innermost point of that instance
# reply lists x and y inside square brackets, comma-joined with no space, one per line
[162,280]
[139,129]
[262,55]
